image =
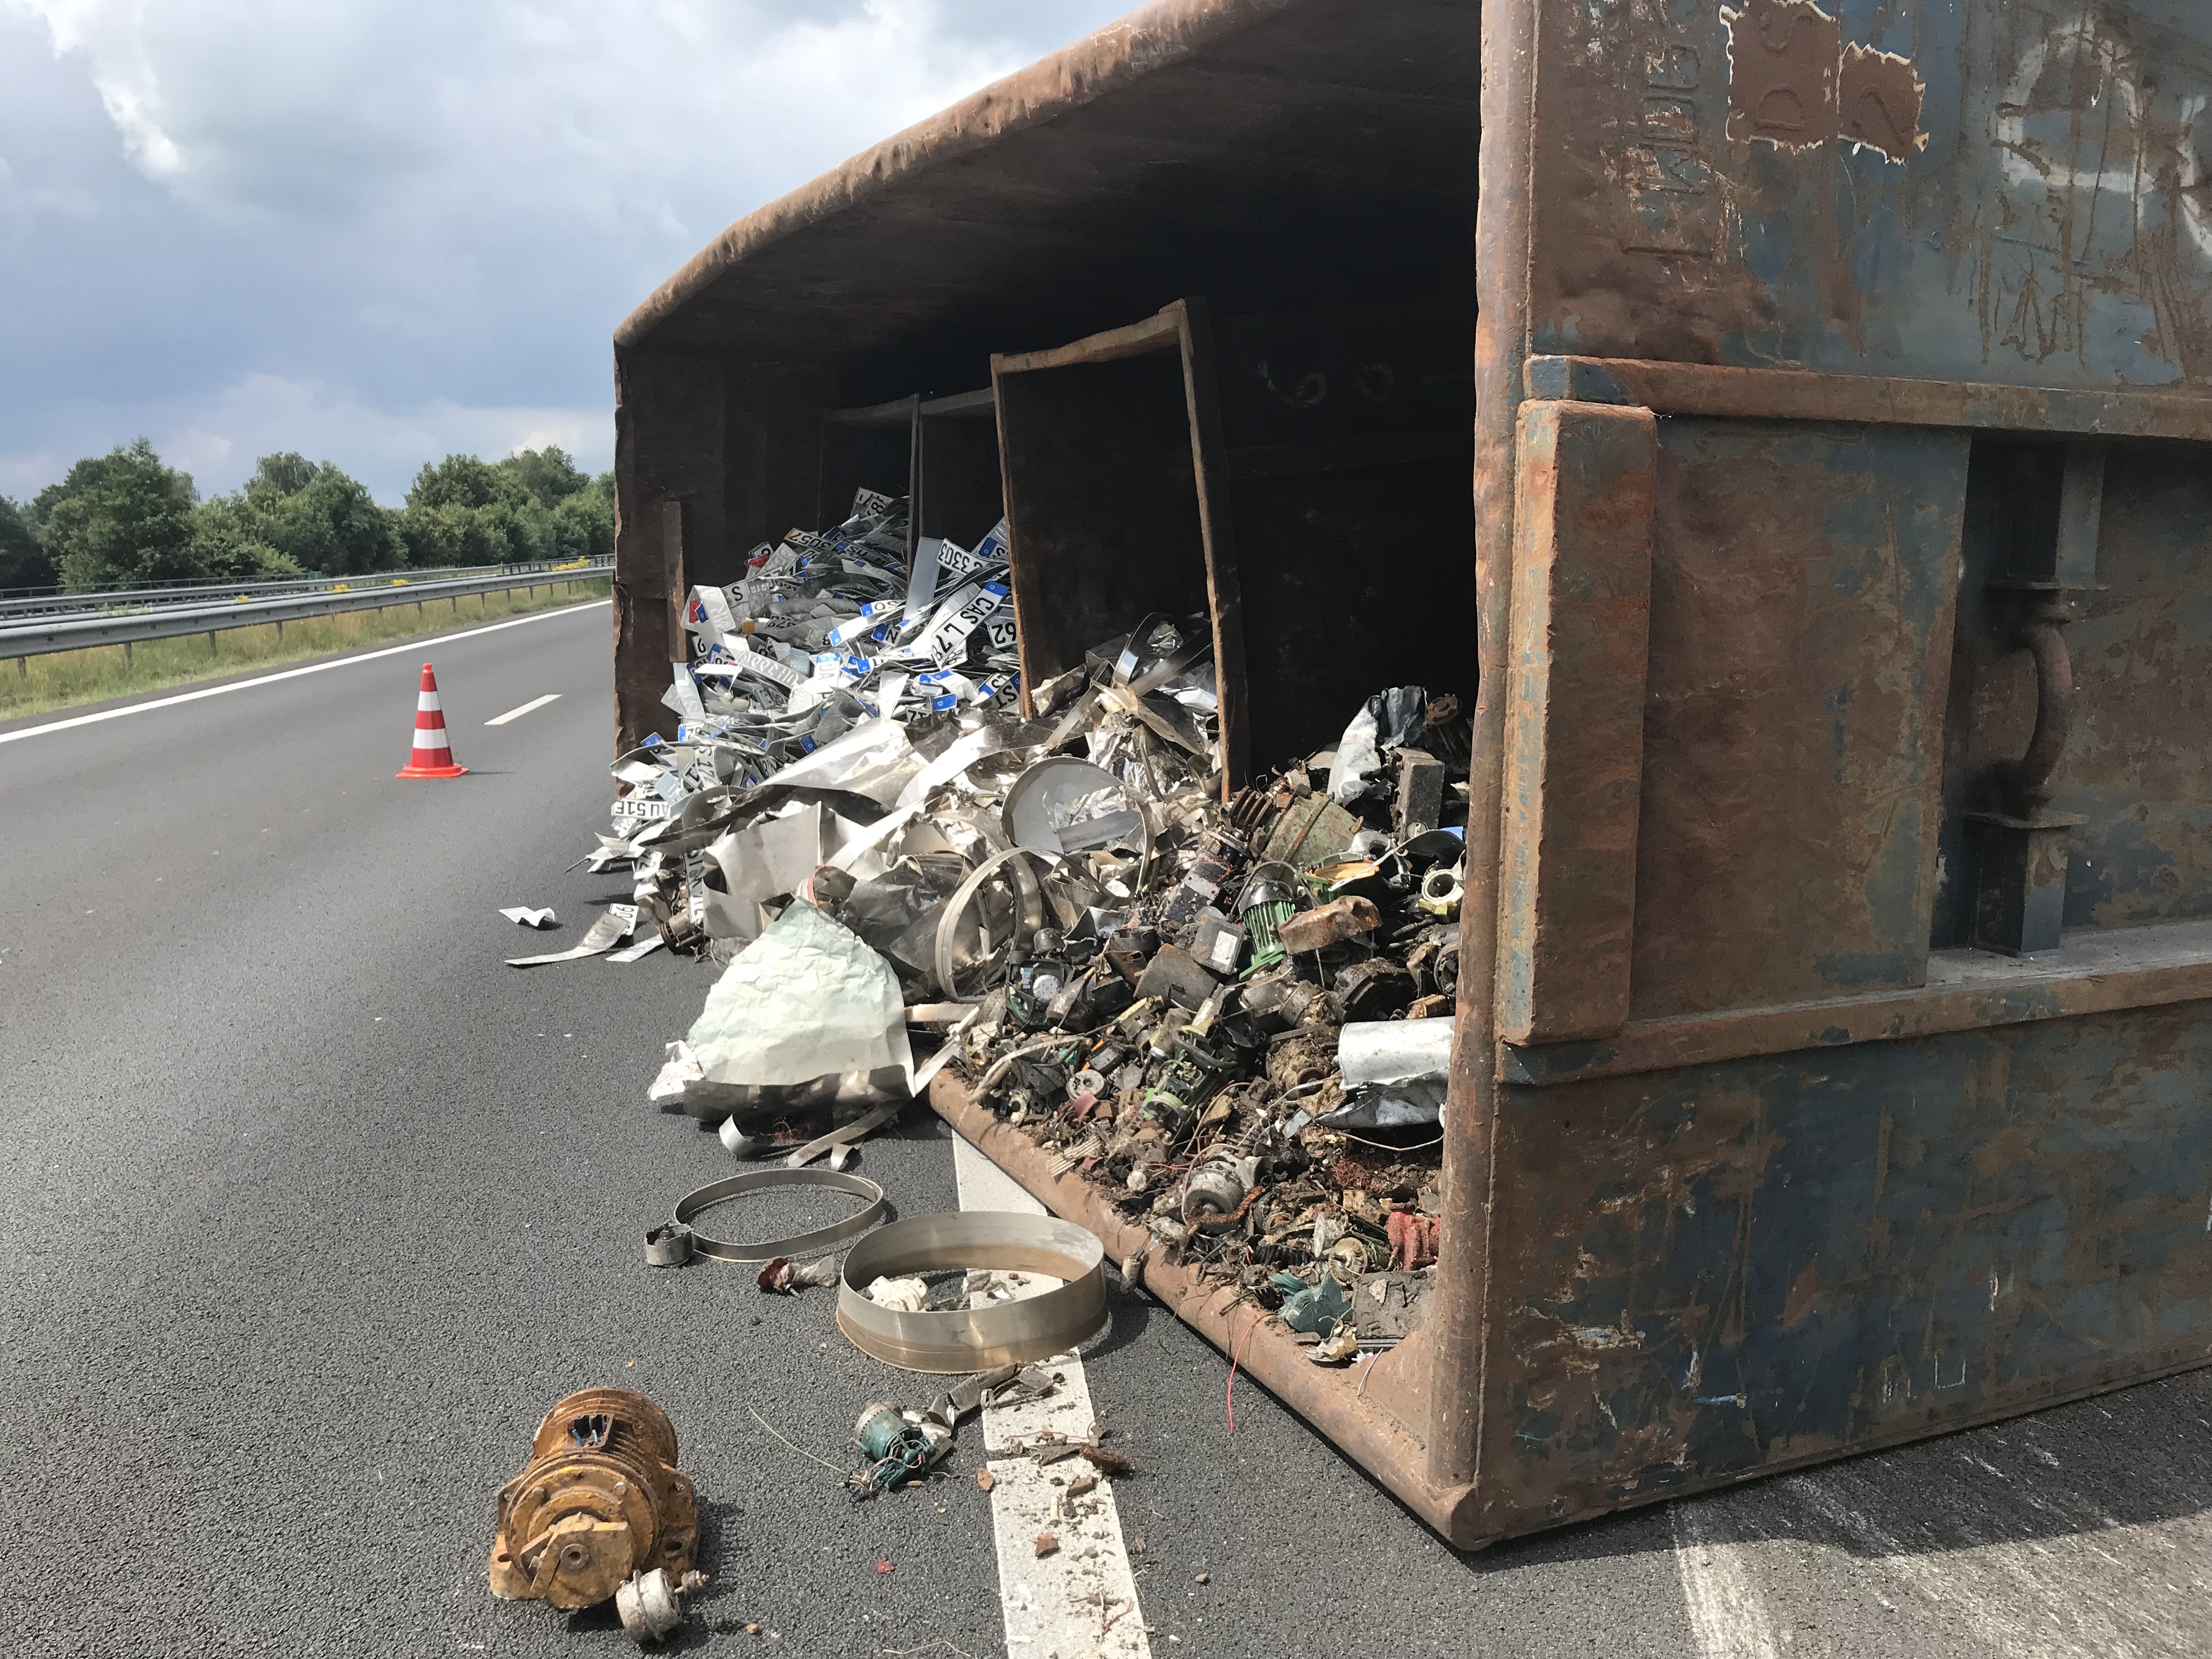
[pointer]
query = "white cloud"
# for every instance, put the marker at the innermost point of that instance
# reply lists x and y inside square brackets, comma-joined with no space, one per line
[426,218]
[107,35]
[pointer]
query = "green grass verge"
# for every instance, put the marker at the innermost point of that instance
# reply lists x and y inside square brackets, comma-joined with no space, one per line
[35,685]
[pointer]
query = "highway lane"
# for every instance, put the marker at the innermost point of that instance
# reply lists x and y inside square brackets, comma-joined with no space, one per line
[313,1206]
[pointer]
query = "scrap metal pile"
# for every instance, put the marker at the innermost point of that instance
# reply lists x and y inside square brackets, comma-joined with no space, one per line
[1233,1018]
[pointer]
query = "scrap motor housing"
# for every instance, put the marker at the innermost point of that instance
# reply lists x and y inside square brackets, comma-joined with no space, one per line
[600,1498]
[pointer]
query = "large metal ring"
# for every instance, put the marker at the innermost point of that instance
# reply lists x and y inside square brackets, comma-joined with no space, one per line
[691,1204]
[1028,896]
[975,1339]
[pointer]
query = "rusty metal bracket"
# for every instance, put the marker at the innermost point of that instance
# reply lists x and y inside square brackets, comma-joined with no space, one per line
[2028,781]
[2019,900]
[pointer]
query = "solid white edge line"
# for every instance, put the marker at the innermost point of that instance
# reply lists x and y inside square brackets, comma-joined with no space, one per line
[1051,1604]
[517,713]
[415,644]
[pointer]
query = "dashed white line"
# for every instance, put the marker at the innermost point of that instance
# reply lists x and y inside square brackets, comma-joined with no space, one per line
[409,647]
[1081,1600]
[517,713]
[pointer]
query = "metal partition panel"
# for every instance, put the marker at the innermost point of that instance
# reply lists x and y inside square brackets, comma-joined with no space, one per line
[1110,451]
[957,491]
[1102,503]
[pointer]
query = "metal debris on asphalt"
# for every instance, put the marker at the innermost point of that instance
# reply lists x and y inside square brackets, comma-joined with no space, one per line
[600,1501]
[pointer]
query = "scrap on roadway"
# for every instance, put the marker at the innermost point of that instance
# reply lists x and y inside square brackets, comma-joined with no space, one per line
[314,1208]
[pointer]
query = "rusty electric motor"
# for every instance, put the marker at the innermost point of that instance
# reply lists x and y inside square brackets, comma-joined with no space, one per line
[601,1499]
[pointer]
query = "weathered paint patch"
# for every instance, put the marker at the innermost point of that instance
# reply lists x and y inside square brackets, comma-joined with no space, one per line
[1783,57]
[1878,99]
[1793,83]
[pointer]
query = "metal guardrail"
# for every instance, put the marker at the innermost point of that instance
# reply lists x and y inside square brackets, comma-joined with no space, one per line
[44,637]
[95,601]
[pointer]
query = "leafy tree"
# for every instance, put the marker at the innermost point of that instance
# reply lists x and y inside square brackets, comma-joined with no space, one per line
[464,481]
[23,563]
[466,511]
[333,525]
[296,515]
[276,476]
[230,542]
[584,520]
[549,474]
[125,517]
[121,517]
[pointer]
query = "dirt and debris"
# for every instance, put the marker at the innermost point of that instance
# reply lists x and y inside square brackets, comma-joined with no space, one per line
[899,1447]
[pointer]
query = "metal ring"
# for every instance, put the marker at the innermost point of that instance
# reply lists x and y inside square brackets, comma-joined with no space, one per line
[692,1204]
[975,1339]
[1028,895]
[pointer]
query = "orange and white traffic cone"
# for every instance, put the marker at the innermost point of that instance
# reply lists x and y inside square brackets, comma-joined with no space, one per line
[434,754]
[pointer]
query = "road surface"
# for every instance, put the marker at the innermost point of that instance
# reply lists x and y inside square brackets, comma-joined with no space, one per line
[313,1207]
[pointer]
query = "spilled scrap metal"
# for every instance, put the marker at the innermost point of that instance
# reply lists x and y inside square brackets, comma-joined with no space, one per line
[1232,1017]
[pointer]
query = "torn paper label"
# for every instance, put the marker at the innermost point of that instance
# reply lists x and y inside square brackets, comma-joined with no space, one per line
[528,917]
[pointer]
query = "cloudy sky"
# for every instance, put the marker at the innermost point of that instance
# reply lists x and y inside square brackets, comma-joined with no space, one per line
[378,231]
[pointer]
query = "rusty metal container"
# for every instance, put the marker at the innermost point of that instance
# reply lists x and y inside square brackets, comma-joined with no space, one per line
[1829,512]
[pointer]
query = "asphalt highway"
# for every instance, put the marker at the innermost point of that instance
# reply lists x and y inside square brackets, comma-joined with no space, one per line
[313,1208]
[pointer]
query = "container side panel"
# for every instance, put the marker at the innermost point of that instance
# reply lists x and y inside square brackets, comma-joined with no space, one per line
[1738,1267]
[1973,190]
[1802,591]
[772,453]
[1574,734]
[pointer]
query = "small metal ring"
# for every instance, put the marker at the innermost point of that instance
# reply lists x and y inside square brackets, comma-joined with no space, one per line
[692,1204]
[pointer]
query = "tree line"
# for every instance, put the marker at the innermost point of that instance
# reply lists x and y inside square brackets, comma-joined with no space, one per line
[126,517]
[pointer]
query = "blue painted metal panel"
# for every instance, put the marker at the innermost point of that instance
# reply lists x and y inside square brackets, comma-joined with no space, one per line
[1974,190]
[1701,1272]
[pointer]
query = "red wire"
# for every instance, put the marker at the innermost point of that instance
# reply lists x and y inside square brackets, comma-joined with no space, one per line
[1228,1395]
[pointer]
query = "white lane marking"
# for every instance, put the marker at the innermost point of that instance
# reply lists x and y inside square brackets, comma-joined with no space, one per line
[517,713]
[1080,1600]
[292,674]
[1727,1614]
